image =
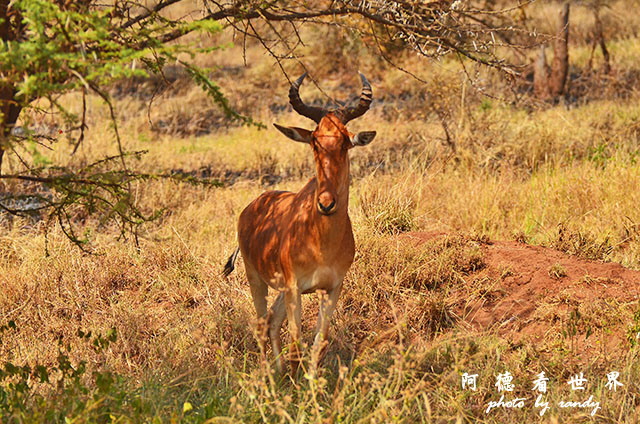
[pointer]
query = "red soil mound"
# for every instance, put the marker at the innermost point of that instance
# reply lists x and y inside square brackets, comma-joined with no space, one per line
[539,294]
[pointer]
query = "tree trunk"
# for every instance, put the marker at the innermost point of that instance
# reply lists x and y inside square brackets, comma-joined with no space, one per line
[560,64]
[599,35]
[9,108]
[5,95]
[549,83]
[541,75]
[9,112]
[4,15]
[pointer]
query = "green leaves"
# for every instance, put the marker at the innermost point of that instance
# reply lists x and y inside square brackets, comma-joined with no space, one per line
[53,393]
[56,47]
[209,26]
[215,93]
[62,49]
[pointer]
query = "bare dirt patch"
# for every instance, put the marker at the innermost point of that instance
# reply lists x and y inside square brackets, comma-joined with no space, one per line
[541,295]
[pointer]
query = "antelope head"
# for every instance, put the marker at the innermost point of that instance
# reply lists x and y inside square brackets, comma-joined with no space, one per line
[330,142]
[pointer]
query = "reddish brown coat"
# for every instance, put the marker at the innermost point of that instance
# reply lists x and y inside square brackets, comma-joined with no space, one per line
[302,242]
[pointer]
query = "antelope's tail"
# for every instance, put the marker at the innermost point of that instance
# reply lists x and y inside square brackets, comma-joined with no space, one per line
[230,265]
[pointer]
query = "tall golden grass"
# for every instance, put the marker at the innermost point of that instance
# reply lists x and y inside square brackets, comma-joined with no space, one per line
[398,350]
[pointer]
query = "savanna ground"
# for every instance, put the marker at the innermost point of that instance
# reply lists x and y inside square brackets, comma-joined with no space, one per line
[495,249]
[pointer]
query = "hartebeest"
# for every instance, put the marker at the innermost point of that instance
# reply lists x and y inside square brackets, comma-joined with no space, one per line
[302,242]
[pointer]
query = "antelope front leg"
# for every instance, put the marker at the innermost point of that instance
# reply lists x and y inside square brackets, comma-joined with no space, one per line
[293,304]
[328,302]
[278,314]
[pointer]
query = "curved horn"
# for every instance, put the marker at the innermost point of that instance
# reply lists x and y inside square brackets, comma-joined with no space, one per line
[346,114]
[311,112]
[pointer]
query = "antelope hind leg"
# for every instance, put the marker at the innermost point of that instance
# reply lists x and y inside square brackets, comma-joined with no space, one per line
[328,302]
[259,292]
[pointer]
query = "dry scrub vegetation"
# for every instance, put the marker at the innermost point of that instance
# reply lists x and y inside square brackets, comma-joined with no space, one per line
[171,340]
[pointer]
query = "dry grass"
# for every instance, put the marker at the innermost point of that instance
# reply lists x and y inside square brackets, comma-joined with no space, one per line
[557,176]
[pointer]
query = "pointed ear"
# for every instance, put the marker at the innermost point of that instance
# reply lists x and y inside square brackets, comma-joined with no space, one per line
[363,138]
[296,134]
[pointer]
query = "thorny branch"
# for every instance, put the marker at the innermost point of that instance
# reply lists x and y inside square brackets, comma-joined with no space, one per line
[146,31]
